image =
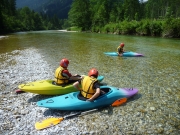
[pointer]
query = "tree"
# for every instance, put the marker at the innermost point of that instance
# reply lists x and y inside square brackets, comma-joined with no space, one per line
[7,15]
[12,7]
[38,22]
[131,8]
[162,8]
[101,12]
[1,16]
[79,14]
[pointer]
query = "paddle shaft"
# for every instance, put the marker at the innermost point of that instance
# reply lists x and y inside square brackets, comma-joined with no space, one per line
[79,113]
[116,103]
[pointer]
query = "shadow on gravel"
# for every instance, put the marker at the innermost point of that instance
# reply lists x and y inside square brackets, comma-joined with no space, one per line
[58,113]
[37,98]
[135,97]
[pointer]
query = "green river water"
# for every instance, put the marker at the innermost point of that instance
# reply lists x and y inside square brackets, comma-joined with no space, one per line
[85,50]
[156,75]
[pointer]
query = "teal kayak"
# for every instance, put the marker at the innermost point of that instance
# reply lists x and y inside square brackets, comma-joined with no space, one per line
[75,101]
[125,54]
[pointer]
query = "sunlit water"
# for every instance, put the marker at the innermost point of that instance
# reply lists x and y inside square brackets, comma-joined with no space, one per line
[157,75]
[85,50]
[158,70]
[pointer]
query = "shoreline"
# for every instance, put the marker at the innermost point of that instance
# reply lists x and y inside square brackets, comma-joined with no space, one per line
[3,37]
[66,31]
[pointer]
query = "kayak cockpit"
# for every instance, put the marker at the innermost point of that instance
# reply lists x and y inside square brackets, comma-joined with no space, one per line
[105,90]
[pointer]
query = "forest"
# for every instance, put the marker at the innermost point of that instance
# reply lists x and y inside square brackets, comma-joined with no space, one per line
[127,17]
[24,19]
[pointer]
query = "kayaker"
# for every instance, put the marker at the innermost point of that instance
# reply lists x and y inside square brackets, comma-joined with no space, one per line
[120,49]
[89,85]
[62,74]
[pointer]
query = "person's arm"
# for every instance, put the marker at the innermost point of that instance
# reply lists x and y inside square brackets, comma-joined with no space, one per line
[77,77]
[119,54]
[66,73]
[98,91]
[77,85]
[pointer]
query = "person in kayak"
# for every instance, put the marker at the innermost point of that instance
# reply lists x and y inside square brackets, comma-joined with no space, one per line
[89,85]
[120,49]
[62,74]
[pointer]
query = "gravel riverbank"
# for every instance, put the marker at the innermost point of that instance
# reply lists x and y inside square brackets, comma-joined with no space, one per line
[142,115]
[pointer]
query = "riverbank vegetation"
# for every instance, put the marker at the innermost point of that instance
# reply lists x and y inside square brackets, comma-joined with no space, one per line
[146,27]
[130,17]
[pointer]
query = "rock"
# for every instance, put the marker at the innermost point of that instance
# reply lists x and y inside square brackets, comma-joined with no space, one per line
[152,108]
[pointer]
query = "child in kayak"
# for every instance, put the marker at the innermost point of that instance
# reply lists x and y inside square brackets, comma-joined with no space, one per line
[62,75]
[120,49]
[90,85]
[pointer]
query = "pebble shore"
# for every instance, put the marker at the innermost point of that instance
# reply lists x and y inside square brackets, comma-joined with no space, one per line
[150,114]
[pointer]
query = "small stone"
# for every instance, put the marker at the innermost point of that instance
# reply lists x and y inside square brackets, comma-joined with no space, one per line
[17,116]
[152,108]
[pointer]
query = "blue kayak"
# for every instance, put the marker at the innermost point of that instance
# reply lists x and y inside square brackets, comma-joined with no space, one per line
[75,101]
[125,54]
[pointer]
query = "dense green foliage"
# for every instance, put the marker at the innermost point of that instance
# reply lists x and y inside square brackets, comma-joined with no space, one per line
[151,18]
[135,17]
[24,19]
[82,16]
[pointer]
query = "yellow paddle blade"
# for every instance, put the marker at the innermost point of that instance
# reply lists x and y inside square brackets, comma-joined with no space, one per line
[119,102]
[47,123]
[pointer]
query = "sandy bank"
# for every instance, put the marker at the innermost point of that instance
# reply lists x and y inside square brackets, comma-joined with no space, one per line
[66,31]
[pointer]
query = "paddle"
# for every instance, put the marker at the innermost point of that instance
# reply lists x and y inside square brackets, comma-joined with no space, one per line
[54,121]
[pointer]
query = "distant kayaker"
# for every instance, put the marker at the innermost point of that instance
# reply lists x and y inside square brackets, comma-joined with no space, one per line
[120,49]
[89,85]
[62,74]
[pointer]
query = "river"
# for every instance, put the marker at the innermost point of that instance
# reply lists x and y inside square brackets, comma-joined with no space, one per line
[30,56]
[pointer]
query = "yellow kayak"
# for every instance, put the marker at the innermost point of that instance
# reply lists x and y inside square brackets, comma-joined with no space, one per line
[46,87]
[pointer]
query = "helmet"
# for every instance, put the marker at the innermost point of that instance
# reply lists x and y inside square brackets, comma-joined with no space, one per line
[64,63]
[122,44]
[93,72]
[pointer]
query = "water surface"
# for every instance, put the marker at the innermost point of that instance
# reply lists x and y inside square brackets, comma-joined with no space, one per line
[157,75]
